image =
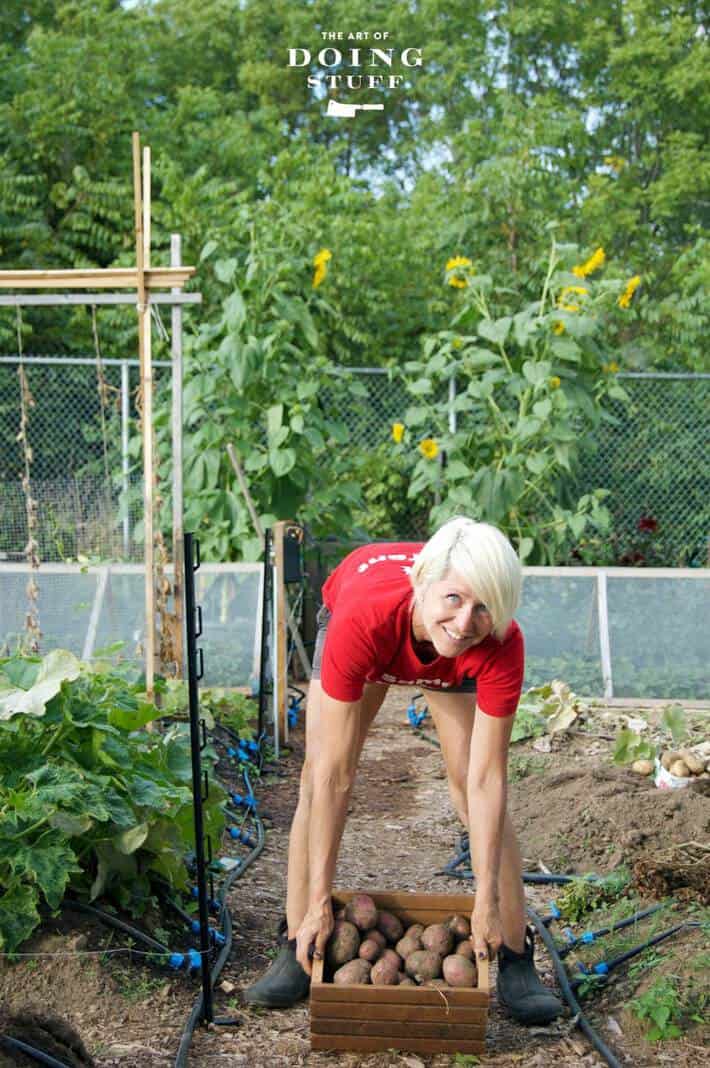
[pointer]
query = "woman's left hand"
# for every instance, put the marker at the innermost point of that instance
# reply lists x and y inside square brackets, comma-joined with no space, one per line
[486,929]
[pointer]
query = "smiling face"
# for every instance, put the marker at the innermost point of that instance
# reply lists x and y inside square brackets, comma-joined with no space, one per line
[450,615]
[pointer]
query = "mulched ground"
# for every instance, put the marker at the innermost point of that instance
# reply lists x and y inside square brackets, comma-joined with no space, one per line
[574,812]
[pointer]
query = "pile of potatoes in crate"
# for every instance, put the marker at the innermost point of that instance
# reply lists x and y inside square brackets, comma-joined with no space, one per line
[372,946]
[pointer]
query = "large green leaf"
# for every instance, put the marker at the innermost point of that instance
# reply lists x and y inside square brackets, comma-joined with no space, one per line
[57,667]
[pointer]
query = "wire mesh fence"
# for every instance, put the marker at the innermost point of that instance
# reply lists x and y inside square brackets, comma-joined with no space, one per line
[85,463]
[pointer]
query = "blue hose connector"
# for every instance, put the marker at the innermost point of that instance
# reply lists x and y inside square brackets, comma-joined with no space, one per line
[176,961]
[602,968]
[555,912]
[241,836]
[194,960]
[588,937]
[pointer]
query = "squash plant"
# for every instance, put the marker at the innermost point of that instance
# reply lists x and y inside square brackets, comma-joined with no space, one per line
[90,802]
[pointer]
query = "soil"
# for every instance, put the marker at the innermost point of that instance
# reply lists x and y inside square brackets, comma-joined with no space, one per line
[574,812]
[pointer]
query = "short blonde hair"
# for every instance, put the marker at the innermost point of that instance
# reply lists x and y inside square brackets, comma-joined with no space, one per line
[483,556]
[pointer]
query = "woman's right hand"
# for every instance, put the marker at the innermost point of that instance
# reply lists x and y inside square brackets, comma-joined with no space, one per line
[315,930]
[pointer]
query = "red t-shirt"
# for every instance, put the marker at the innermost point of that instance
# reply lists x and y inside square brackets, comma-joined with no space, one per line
[369,636]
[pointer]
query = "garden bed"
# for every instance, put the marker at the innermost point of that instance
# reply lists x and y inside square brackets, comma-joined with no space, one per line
[574,810]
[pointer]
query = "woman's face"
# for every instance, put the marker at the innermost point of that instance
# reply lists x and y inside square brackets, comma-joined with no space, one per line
[450,615]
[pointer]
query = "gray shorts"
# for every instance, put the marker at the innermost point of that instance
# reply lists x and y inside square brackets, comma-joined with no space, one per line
[322,619]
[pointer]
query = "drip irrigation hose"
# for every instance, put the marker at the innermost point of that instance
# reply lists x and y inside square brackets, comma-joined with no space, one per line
[568,992]
[225,920]
[602,969]
[113,921]
[591,936]
[31,1051]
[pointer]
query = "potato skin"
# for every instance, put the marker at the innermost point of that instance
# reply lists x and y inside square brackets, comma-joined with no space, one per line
[343,944]
[390,926]
[376,936]
[408,945]
[384,973]
[362,911]
[355,971]
[459,926]
[465,949]
[439,938]
[458,971]
[369,950]
[680,769]
[422,965]
[394,958]
[642,767]
[694,763]
[415,930]
[406,980]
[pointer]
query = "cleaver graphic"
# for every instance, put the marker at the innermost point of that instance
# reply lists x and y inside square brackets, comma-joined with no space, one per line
[347,111]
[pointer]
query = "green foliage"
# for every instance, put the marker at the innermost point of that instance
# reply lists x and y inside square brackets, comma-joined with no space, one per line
[545,709]
[659,1009]
[582,896]
[89,800]
[630,746]
[536,378]
[673,719]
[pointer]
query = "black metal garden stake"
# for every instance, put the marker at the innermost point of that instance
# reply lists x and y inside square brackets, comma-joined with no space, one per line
[193,620]
[266,619]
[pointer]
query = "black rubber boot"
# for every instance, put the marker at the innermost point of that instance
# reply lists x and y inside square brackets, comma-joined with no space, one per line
[284,983]
[520,989]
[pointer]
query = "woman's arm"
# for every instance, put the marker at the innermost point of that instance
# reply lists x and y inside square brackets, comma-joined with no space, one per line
[487,796]
[332,748]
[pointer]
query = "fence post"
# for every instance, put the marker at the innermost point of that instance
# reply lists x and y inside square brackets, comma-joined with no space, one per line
[125,411]
[176,350]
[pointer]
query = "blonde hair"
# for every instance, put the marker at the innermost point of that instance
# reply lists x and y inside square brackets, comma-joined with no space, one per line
[483,556]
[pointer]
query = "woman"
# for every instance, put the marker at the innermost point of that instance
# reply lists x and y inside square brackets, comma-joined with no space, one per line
[438,616]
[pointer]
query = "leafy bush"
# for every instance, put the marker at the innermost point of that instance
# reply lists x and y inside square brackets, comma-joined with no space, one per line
[90,802]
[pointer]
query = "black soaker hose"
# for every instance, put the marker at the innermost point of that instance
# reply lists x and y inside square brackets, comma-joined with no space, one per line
[226,920]
[568,992]
[113,921]
[31,1051]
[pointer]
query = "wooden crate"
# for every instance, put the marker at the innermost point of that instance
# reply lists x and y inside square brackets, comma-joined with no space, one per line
[416,1019]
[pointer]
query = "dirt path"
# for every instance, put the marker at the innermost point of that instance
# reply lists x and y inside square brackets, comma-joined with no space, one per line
[573,810]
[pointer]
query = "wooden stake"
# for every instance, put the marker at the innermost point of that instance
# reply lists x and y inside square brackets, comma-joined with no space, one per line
[144,351]
[280,653]
[178,561]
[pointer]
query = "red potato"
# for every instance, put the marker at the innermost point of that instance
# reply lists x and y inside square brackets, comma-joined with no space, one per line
[384,973]
[355,971]
[459,926]
[361,910]
[406,946]
[438,938]
[343,944]
[375,936]
[369,950]
[465,949]
[390,926]
[423,965]
[394,958]
[458,971]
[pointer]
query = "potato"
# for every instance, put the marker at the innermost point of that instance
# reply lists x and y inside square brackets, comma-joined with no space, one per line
[667,759]
[694,763]
[376,936]
[394,958]
[422,965]
[439,938]
[369,950]
[355,971]
[465,949]
[458,971]
[414,931]
[362,911]
[343,944]
[459,926]
[405,980]
[438,984]
[679,768]
[642,767]
[406,946]
[384,973]
[390,926]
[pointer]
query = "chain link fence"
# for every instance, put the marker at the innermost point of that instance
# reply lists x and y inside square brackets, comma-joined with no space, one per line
[85,462]
[84,458]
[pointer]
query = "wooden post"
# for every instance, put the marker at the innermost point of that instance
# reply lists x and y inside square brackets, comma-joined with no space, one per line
[144,351]
[280,652]
[176,349]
